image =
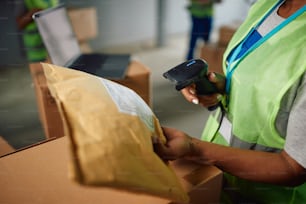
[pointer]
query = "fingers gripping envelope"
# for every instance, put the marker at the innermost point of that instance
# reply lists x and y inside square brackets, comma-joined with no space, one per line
[110,129]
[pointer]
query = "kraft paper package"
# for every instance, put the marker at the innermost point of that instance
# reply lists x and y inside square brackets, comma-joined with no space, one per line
[110,129]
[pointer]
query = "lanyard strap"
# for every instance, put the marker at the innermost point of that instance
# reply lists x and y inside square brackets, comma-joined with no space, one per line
[233,62]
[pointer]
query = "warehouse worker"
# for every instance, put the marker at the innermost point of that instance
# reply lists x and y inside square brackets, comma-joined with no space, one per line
[33,44]
[201,14]
[260,143]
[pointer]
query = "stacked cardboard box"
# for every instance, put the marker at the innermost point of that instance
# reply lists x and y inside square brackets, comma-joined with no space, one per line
[84,24]
[213,53]
[40,175]
[5,148]
[47,108]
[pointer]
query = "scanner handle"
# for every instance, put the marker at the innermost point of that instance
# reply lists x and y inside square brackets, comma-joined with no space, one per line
[205,87]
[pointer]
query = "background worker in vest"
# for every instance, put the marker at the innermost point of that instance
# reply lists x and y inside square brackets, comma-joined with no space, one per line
[201,14]
[260,143]
[32,42]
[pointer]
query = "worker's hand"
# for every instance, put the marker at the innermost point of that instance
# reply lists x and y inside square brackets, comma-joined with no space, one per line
[178,145]
[26,18]
[190,94]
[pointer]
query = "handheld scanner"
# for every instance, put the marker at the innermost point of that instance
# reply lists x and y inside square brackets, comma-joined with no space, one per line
[189,72]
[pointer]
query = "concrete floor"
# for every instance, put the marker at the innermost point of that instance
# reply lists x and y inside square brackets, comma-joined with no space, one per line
[19,122]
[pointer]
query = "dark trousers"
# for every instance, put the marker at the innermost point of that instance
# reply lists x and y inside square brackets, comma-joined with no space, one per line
[201,28]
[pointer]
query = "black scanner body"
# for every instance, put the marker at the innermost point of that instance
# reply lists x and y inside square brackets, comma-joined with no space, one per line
[189,72]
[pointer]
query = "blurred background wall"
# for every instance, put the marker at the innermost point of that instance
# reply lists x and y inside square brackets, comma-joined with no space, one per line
[122,22]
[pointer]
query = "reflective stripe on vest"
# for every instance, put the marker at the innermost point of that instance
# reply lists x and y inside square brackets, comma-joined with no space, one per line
[213,123]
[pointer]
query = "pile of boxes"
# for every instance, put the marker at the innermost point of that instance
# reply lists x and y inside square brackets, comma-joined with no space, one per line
[213,53]
[84,24]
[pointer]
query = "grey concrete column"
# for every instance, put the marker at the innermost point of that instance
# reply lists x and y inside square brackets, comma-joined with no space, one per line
[161,23]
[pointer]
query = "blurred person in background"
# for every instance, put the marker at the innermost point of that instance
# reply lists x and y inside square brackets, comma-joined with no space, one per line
[32,42]
[258,136]
[201,14]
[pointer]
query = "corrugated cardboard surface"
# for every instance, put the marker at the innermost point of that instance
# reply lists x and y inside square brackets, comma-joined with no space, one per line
[39,175]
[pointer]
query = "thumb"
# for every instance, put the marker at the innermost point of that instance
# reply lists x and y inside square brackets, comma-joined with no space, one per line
[218,79]
[212,77]
[163,152]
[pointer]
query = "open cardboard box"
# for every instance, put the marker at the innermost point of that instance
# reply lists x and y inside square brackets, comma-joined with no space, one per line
[39,174]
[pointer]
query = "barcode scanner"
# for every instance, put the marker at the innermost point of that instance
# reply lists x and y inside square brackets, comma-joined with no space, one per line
[189,72]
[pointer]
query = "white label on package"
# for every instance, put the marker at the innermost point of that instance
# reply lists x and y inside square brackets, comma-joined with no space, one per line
[127,101]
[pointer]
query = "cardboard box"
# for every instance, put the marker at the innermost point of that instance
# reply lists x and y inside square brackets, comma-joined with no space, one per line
[48,112]
[84,22]
[213,55]
[5,147]
[226,33]
[202,182]
[137,78]
[85,47]
[39,175]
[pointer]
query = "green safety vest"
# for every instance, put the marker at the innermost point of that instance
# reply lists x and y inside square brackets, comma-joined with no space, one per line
[35,49]
[258,84]
[200,10]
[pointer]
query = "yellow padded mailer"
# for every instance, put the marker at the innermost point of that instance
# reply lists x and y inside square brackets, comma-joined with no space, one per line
[111,130]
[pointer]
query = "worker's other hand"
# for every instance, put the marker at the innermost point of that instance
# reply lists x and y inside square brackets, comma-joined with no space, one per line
[190,94]
[178,145]
[26,18]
